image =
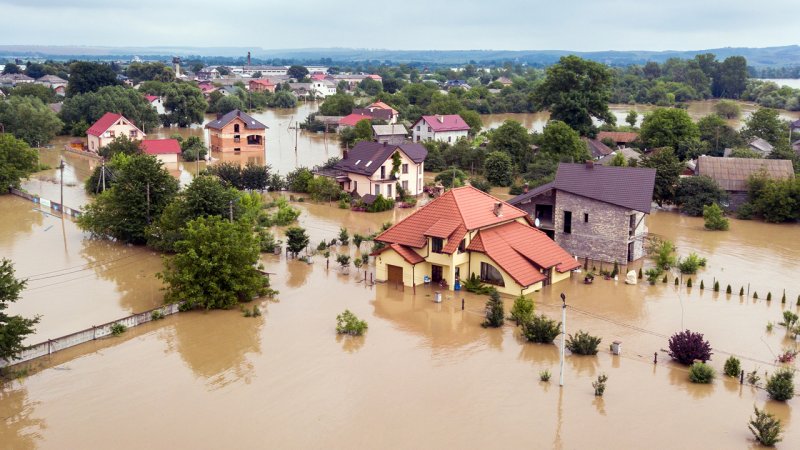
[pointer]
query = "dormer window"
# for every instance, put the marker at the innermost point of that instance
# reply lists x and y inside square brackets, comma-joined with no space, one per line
[368,163]
[358,162]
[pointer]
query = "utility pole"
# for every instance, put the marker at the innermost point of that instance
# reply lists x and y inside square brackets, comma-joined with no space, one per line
[148,202]
[230,209]
[296,129]
[563,335]
[103,176]
[61,168]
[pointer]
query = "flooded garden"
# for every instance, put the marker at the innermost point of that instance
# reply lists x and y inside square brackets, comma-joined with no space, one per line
[424,375]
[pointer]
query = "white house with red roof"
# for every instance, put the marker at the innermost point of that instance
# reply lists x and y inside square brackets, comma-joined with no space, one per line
[157,102]
[448,128]
[109,127]
[165,150]
[467,232]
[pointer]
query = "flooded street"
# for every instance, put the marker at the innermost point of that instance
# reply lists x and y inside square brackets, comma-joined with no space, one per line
[425,375]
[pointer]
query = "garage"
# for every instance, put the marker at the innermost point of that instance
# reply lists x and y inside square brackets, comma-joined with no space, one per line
[395,274]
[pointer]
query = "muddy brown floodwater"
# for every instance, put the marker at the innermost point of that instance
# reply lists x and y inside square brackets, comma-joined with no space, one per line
[425,375]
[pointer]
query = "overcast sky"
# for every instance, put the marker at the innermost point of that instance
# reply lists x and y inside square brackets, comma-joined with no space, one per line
[579,25]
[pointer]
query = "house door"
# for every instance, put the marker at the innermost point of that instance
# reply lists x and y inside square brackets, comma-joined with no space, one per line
[395,274]
[549,280]
[436,273]
[630,251]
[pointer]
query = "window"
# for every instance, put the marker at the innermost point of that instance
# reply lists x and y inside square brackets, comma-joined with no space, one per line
[236,128]
[253,139]
[449,138]
[377,190]
[237,149]
[237,138]
[490,274]
[405,185]
[585,217]
[111,133]
[462,246]
[417,127]
[383,172]
[405,168]
[436,245]
[355,185]
[429,129]
[388,191]
[133,134]
[567,222]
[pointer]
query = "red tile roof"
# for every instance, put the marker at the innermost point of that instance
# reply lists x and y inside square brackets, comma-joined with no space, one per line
[151,98]
[522,251]
[161,146]
[353,119]
[263,82]
[382,105]
[466,206]
[105,122]
[452,122]
[409,255]
[442,228]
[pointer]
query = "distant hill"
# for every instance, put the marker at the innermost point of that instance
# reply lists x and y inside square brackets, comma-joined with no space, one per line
[756,57]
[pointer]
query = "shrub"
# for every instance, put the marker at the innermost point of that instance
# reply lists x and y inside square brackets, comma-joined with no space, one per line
[687,346]
[522,311]
[755,295]
[600,385]
[728,290]
[769,296]
[653,274]
[664,254]
[322,246]
[789,319]
[494,311]
[156,315]
[691,263]
[752,378]
[714,219]
[541,329]
[733,367]
[348,323]
[473,284]
[640,273]
[765,428]
[343,260]
[583,343]
[701,373]
[615,270]
[677,281]
[380,204]
[741,291]
[783,298]
[545,375]
[716,286]
[118,328]
[780,386]
[689,283]
[480,184]
[665,279]
[266,241]
[702,285]
[344,237]
[357,240]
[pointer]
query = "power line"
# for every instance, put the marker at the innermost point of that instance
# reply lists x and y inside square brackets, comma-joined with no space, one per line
[87,266]
[80,277]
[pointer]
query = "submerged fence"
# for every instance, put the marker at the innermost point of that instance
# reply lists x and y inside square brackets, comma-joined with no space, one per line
[55,206]
[90,334]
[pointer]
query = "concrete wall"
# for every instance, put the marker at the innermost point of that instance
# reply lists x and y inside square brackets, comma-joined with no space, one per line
[605,236]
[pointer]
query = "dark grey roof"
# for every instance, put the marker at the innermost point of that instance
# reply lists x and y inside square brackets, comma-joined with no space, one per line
[375,113]
[366,157]
[629,187]
[597,148]
[249,122]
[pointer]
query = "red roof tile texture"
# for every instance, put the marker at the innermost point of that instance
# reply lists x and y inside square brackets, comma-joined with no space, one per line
[161,146]
[452,122]
[103,124]
[352,119]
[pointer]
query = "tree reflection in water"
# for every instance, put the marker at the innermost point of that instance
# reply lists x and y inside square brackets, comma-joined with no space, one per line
[19,429]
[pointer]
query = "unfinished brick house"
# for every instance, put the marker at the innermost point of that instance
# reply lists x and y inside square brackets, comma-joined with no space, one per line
[594,211]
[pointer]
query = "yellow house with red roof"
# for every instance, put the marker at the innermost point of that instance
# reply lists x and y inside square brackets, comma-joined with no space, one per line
[468,232]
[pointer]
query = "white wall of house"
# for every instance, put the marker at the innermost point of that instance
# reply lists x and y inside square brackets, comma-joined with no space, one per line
[158,104]
[422,132]
[121,127]
[323,88]
[410,178]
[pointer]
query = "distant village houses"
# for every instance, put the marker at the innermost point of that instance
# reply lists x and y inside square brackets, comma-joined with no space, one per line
[442,128]
[110,127]
[390,134]
[733,174]
[236,132]
[165,150]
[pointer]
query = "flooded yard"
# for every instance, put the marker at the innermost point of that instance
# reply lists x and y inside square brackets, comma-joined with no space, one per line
[425,375]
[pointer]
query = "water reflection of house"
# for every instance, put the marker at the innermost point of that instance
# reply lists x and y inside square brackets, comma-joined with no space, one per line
[732,174]
[236,131]
[594,211]
[465,232]
[367,169]
[109,127]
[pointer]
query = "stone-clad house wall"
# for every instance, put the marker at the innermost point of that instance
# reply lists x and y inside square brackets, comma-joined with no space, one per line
[605,236]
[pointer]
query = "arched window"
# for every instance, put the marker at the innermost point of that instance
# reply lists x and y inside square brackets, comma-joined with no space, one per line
[490,274]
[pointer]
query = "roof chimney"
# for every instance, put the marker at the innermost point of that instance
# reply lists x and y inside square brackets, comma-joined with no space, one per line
[525,188]
[498,209]
[344,154]
[440,119]
[384,143]
[589,164]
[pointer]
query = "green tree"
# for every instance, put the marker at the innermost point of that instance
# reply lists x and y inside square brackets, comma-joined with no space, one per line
[363,130]
[337,105]
[121,145]
[40,91]
[473,119]
[96,183]
[13,329]
[324,189]
[727,109]
[297,72]
[185,104]
[744,152]
[147,71]
[227,104]
[193,148]
[298,179]
[296,240]
[215,266]
[559,142]
[283,99]
[731,79]
[495,316]
[576,90]
[693,194]
[89,107]
[17,161]
[618,160]
[716,135]
[11,68]
[142,190]
[29,119]
[370,87]
[668,170]
[451,177]
[714,218]
[85,76]
[631,118]
[204,197]
[498,168]
[670,127]
[766,123]
[512,138]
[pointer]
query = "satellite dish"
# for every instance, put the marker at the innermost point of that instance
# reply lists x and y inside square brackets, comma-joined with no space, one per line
[536,222]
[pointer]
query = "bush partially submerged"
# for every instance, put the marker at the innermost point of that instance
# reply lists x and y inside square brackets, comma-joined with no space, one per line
[541,329]
[701,373]
[522,311]
[495,316]
[765,428]
[733,367]
[691,263]
[348,323]
[583,343]
[686,347]
[780,386]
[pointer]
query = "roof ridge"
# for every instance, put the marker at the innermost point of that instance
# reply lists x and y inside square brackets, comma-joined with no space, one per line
[415,212]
